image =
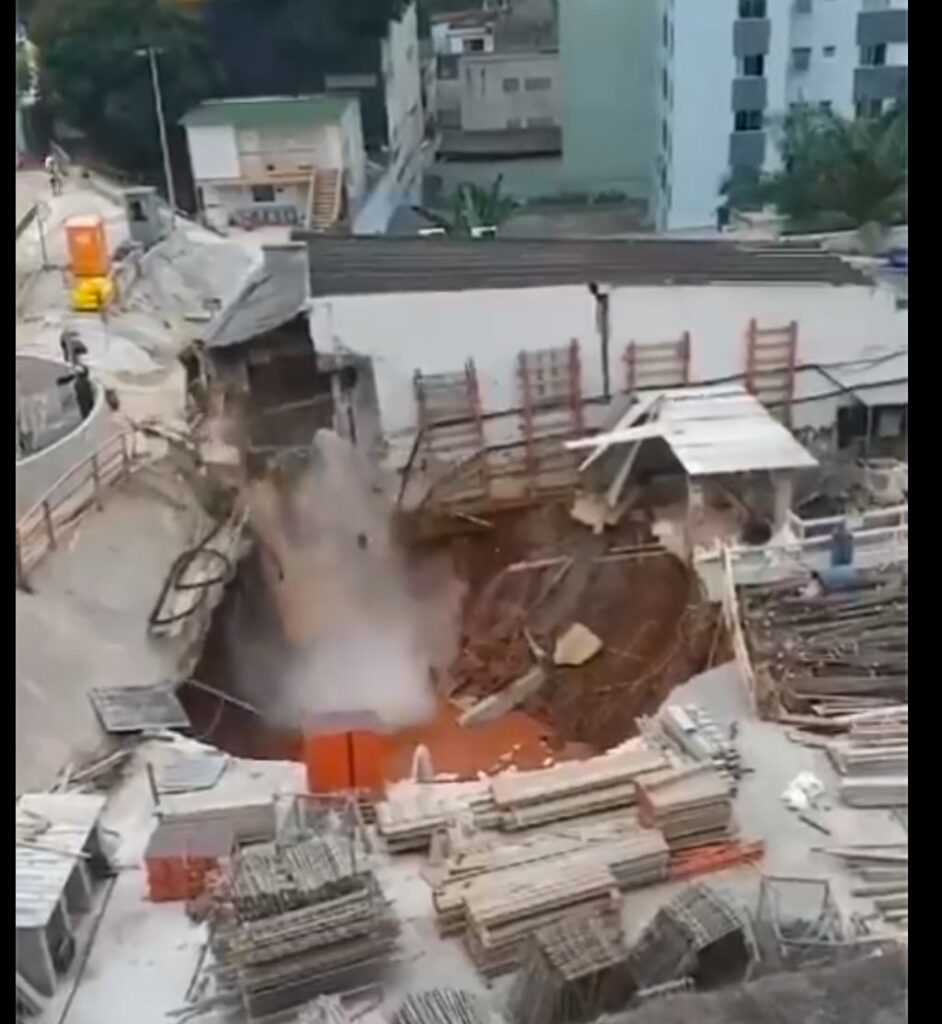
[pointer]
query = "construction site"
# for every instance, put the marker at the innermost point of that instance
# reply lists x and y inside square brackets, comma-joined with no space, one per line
[377,665]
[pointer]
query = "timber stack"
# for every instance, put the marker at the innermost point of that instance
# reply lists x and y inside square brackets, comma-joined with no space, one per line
[691,806]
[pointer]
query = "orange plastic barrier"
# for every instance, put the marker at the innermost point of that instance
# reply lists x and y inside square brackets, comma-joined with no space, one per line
[345,760]
[88,246]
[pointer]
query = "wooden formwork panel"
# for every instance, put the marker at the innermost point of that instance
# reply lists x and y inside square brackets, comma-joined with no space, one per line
[664,364]
[771,359]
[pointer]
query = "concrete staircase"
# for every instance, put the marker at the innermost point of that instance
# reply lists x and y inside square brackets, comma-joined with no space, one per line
[324,199]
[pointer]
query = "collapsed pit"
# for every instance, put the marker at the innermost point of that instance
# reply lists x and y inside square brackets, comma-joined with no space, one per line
[638,599]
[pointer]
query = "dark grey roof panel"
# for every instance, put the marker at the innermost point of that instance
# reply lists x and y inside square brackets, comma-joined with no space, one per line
[358,266]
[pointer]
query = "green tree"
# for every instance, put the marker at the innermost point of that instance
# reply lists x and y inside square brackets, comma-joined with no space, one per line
[834,171]
[474,207]
[92,77]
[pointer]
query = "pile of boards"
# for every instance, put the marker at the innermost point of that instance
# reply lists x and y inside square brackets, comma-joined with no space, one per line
[293,922]
[873,759]
[691,806]
[573,789]
[413,812]
[884,870]
[499,896]
[441,1006]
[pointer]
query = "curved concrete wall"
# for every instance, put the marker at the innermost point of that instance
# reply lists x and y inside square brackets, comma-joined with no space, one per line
[36,473]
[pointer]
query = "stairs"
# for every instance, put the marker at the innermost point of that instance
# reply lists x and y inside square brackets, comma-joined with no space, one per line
[324,199]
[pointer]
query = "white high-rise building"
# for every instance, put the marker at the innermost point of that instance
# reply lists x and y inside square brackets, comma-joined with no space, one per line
[728,68]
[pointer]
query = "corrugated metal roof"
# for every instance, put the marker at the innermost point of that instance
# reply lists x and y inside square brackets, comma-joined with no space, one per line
[713,430]
[374,265]
[268,111]
[59,824]
[272,296]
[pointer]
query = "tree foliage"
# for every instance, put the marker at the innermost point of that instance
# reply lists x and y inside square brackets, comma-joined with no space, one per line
[92,77]
[834,170]
[474,207]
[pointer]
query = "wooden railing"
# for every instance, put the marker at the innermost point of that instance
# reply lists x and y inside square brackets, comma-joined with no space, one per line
[42,527]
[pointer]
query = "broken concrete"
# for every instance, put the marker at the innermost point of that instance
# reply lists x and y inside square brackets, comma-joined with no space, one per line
[512,696]
[577,645]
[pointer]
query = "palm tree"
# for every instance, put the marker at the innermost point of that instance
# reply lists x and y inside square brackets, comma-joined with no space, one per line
[473,207]
[847,172]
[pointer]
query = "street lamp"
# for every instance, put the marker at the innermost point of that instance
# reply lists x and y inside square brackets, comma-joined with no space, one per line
[150,52]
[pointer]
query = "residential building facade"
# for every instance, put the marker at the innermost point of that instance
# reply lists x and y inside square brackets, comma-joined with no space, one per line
[278,160]
[509,91]
[727,70]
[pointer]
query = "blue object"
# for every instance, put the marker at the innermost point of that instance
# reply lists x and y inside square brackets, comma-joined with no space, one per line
[837,578]
[842,546]
[898,258]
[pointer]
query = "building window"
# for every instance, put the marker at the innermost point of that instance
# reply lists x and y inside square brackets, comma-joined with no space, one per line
[802,6]
[873,56]
[537,84]
[752,8]
[511,85]
[473,45]
[665,136]
[869,108]
[801,58]
[754,66]
[825,106]
[829,51]
[748,120]
[263,194]
[448,67]
[665,30]
[665,83]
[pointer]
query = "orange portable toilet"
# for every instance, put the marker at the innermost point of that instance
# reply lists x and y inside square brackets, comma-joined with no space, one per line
[88,246]
[344,752]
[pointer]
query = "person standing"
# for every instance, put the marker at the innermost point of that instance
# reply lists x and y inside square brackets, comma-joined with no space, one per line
[52,171]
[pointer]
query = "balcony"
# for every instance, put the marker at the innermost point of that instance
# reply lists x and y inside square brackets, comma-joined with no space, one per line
[751,36]
[747,149]
[876,27]
[882,83]
[749,93]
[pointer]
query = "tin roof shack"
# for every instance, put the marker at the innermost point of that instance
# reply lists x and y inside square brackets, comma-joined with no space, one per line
[59,861]
[265,381]
[717,448]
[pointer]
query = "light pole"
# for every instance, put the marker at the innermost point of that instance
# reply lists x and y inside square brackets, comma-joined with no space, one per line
[151,53]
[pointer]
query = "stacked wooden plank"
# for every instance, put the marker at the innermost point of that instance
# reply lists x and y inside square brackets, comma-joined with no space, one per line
[413,813]
[574,789]
[691,806]
[442,1006]
[875,791]
[635,857]
[885,872]
[502,917]
[834,653]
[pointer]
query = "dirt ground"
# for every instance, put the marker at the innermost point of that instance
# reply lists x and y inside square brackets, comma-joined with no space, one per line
[656,632]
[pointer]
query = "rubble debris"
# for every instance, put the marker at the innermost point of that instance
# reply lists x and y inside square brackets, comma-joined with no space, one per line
[324,1010]
[574,971]
[510,697]
[577,645]
[703,860]
[123,709]
[694,733]
[692,806]
[803,792]
[441,1006]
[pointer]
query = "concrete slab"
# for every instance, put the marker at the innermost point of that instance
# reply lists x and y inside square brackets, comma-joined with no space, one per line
[85,625]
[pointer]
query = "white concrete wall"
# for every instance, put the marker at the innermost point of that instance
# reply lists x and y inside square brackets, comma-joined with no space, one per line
[353,153]
[702,118]
[403,87]
[213,152]
[487,106]
[437,331]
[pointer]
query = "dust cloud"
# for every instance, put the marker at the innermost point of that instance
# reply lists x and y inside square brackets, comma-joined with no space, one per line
[361,627]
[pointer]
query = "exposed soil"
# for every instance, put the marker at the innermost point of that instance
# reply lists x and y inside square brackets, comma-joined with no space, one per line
[655,631]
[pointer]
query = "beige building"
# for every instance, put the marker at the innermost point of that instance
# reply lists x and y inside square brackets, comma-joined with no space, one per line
[500,91]
[277,160]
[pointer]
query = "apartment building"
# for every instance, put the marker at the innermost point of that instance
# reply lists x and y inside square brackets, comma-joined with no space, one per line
[293,161]
[727,69]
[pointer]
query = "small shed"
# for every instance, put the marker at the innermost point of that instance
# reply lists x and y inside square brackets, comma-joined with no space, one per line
[59,860]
